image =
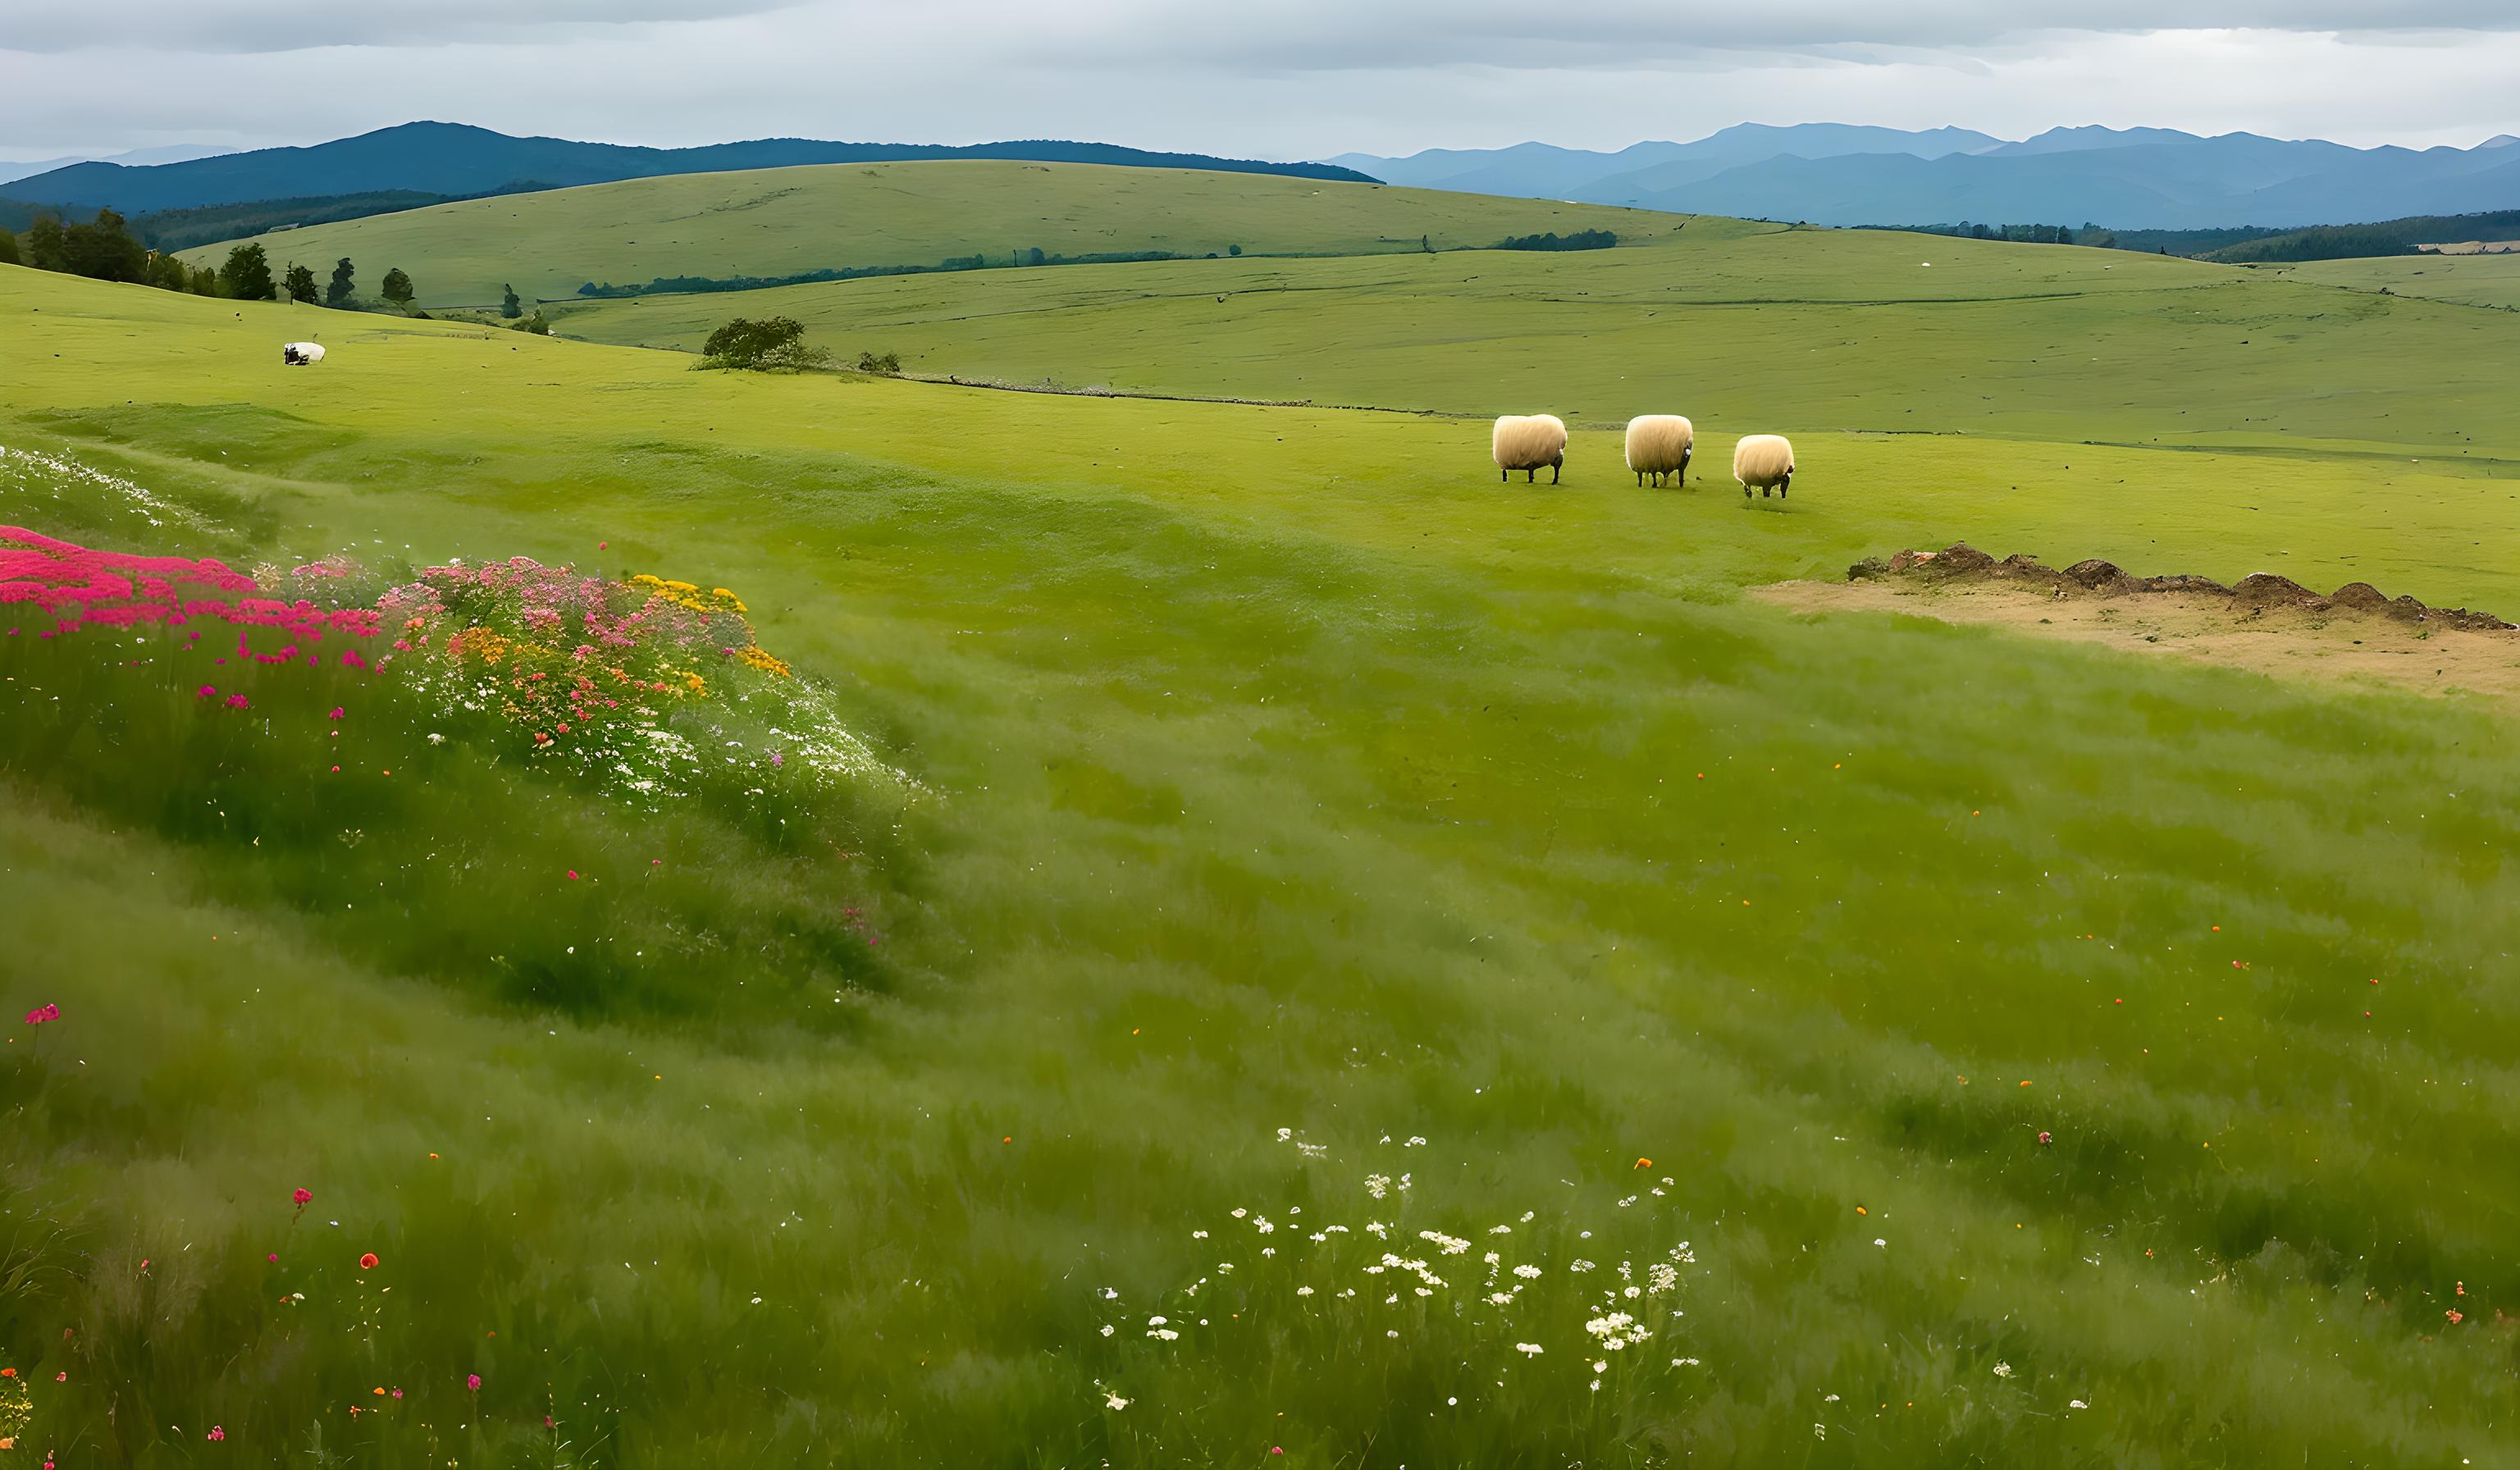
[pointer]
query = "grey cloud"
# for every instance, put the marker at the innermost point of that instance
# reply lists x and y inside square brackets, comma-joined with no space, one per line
[1289,35]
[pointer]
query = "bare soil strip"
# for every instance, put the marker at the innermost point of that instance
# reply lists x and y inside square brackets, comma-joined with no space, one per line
[2266,624]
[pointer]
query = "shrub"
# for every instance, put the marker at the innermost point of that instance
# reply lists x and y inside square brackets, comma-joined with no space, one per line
[887,364]
[773,342]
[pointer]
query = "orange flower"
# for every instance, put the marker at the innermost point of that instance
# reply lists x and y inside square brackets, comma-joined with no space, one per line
[1645,1163]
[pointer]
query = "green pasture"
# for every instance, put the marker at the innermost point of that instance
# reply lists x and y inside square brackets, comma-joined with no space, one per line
[2469,280]
[1744,328]
[785,221]
[1289,773]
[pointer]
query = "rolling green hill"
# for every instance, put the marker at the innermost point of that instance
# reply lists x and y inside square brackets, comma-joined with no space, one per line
[2469,280]
[1741,326]
[786,221]
[1324,851]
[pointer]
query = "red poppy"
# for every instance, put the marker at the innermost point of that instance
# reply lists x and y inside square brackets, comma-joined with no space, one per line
[368,1262]
[302,1197]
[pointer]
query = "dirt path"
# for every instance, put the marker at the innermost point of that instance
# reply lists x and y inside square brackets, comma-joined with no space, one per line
[2291,643]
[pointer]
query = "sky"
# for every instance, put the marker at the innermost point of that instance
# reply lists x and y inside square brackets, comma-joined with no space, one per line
[1265,79]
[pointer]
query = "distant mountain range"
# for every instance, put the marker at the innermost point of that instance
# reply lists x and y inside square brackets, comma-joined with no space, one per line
[2137,178]
[177,152]
[452,158]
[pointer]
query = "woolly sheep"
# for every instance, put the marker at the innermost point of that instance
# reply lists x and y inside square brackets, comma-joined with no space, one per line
[300,354]
[1527,442]
[1764,461]
[1659,445]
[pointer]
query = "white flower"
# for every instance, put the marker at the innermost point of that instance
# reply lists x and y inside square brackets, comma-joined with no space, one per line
[1109,1294]
[1284,1134]
[1528,1350]
[1501,1297]
[1239,1214]
[1262,1225]
[1377,1184]
[1527,1273]
[1527,1216]
[1602,1366]
[1831,1398]
[1376,1229]
[1581,1265]
[1414,1142]
[2076,1404]
[1108,1329]
[1597,1385]
[1684,1363]
[1502,1229]
[1115,1400]
[1320,1235]
[1303,1291]
[1155,1321]
[1884,1244]
[2004,1370]
[1198,1235]
[1632,1292]
[1165,1333]
[1425,1291]
[1394,1332]
[1267,1250]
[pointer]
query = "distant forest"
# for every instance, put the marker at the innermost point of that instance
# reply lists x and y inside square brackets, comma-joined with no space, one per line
[2244,244]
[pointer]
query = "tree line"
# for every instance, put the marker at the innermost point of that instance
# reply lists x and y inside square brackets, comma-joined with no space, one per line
[103,249]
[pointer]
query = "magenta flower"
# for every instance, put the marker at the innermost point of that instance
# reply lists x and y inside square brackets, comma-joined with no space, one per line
[207,690]
[336,712]
[301,1198]
[236,701]
[217,1434]
[42,1014]
[473,1381]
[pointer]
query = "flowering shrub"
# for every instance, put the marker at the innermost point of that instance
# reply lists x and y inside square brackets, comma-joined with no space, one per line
[624,683]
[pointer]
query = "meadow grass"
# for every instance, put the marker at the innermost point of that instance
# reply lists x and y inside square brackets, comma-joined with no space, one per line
[1290,774]
[785,221]
[2471,279]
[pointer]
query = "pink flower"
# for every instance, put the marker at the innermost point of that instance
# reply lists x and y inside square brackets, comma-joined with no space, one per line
[473,1381]
[301,1198]
[397,1393]
[42,1014]
[2043,1138]
[217,1434]
[273,1257]
[336,712]
[236,701]
[207,690]
[572,872]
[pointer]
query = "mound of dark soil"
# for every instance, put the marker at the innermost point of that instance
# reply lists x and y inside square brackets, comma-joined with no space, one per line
[2258,591]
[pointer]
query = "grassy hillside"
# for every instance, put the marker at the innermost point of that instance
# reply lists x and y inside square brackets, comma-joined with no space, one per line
[1836,330]
[2469,280]
[785,221]
[1995,1020]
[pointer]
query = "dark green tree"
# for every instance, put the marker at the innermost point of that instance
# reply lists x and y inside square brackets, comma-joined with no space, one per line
[166,272]
[8,248]
[397,288]
[246,276]
[1234,249]
[104,249]
[202,281]
[771,342]
[46,248]
[301,284]
[511,307]
[339,292]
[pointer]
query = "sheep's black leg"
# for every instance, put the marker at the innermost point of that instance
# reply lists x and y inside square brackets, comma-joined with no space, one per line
[1503,476]
[1553,471]
[1783,485]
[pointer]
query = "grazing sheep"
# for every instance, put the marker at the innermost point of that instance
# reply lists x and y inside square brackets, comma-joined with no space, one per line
[1764,461]
[1659,445]
[1527,442]
[300,354]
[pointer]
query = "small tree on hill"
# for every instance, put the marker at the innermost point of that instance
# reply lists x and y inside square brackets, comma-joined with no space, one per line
[246,276]
[771,342]
[339,292]
[301,284]
[45,243]
[510,306]
[8,248]
[397,288]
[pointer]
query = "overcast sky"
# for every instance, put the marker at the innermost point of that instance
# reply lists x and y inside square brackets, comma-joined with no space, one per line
[1302,79]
